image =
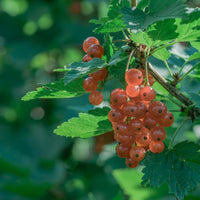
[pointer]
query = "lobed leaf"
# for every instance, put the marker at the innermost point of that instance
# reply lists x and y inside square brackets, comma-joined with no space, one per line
[89,124]
[81,69]
[179,168]
[162,54]
[57,89]
[138,20]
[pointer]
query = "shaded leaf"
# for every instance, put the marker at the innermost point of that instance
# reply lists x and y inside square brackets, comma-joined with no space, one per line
[86,125]
[108,47]
[80,69]
[195,98]
[179,168]
[138,20]
[57,89]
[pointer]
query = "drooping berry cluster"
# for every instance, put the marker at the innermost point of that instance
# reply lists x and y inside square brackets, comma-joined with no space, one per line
[92,47]
[138,119]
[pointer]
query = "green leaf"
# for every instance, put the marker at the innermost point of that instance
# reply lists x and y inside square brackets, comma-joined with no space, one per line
[138,20]
[142,4]
[196,45]
[160,89]
[195,98]
[195,56]
[179,168]
[108,46]
[117,65]
[159,33]
[162,54]
[80,69]
[61,70]
[113,22]
[86,125]
[188,29]
[57,89]
[130,182]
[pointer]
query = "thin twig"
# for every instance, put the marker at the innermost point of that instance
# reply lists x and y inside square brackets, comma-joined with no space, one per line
[129,59]
[133,3]
[169,70]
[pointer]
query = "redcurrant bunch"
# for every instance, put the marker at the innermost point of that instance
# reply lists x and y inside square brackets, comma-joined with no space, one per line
[138,119]
[92,47]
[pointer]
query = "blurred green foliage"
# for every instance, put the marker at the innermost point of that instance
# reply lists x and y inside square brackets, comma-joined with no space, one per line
[36,37]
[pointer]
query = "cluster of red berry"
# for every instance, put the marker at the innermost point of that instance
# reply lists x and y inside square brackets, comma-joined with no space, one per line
[138,119]
[92,47]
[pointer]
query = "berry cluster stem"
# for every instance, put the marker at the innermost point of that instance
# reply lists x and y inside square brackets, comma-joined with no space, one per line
[133,3]
[129,59]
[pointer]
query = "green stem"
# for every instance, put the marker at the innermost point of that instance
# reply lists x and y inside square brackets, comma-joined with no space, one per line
[146,70]
[129,59]
[165,46]
[198,64]
[114,41]
[176,133]
[169,70]
[126,37]
[180,71]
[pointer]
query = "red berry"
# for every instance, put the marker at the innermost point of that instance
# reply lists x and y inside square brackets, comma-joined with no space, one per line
[158,134]
[143,139]
[90,84]
[95,51]
[126,140]
[149,121]
[156,147]
[167,120]
[116,115]
[99,75]
[129,109]
[96,98]
[135,125]
[147,93]
[132,90]
[86,58]
[122,151]
[118,97]
[131,163]
[120,128]
[141,110]
[137,153]
[157,109]
[88,42]
[134,77]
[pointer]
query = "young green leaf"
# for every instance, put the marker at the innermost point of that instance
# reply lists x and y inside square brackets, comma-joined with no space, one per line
[108,46]
[188,29]
[57,89]
[86,125]
[162,54]
[80,69]
[179,168]
[138,20]
[159,33]
[113,22]
[195,56]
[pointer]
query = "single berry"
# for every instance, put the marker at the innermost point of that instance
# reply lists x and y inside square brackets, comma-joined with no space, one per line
[116,115]
[147,93]
[95,51]
[122,151]
[126,140]
[96,98]
[86,58]
[158,134]
[135,125]
[134,77]
[131,163]
[132,90]
[141,110]
[156,147]
[157,109]
[167,120]
[137,153]
[120,128]
[143,139]
[99,75]
[118,97]
[88,42]
[90,84]
[149,121]
[129,109]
